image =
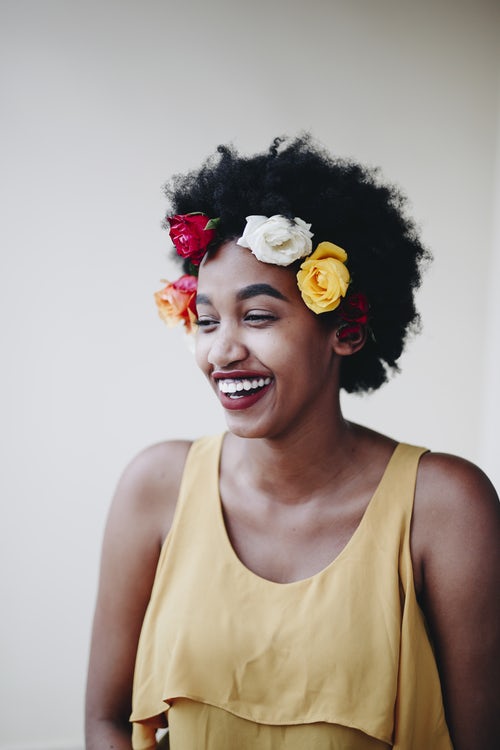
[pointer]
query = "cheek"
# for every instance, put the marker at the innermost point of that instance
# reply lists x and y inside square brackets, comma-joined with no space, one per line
[316,352]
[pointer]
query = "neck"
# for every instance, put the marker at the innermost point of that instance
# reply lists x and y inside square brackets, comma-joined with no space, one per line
[295,465]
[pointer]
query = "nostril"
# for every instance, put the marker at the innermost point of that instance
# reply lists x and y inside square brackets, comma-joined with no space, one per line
[226,350]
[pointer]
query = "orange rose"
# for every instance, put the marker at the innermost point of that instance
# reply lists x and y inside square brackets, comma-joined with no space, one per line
[176,302]
[323,278]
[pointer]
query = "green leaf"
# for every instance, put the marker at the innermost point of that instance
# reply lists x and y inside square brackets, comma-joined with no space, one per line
[212,223]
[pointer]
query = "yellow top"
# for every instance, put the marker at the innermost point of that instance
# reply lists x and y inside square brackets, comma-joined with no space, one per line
[340,660]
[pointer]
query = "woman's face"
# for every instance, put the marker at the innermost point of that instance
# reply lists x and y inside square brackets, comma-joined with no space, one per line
[267,357]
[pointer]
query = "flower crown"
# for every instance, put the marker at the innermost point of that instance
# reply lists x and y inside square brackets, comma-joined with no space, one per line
[323,278]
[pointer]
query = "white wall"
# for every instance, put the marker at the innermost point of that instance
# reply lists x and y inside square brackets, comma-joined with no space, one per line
[101,102]
[488,443]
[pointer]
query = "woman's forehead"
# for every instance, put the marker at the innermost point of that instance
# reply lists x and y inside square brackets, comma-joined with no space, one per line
[232,267]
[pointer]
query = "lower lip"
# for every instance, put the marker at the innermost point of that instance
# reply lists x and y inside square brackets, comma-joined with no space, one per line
[242,402]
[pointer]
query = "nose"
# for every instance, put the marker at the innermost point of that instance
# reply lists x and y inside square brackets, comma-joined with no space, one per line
[226,347]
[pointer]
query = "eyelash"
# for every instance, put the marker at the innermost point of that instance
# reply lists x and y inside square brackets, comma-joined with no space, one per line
[249,318]
[205,322]
[258,317]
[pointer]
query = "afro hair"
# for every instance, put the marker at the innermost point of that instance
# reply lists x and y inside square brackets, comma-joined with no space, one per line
[346,203]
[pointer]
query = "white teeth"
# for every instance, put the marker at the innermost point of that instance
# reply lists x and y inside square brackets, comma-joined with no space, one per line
[231,386]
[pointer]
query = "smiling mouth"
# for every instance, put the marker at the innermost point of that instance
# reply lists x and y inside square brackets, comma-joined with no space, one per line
[236,388]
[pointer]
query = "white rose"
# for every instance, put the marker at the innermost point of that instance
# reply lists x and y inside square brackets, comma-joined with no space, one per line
[277,240]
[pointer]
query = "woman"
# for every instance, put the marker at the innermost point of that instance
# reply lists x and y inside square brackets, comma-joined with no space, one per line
[311,583]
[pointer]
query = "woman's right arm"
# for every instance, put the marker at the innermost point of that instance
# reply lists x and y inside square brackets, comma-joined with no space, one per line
[139,519]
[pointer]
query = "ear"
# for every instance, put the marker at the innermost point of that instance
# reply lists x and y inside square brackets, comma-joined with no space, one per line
[348,338]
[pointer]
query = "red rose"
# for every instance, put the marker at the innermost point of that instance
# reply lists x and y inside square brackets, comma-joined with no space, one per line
[177,302]
[354,311]
[190,235]
[355,308]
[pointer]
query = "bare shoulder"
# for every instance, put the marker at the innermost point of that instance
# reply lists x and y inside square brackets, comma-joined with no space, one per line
[139,519]
[444,473]
[456,559]
[148,488]
[452,491]
[456,512]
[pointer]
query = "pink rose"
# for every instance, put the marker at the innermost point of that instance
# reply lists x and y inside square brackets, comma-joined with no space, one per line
[190,235]
[176,302]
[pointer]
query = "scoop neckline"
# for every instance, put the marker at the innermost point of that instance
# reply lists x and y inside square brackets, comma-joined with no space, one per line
[222,530]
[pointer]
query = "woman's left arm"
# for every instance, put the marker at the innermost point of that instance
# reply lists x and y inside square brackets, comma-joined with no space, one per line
[456,557]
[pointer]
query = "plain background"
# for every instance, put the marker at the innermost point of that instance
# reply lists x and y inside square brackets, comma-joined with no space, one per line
[101,102]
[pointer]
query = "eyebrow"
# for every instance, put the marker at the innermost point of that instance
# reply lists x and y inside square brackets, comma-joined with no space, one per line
[252,290]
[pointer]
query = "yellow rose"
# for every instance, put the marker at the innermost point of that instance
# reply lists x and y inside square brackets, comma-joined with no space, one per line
[323,278]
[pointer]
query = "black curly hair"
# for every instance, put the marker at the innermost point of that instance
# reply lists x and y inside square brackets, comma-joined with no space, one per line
[345,203]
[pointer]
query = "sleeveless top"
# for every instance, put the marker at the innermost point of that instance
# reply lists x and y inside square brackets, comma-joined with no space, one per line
[340,660]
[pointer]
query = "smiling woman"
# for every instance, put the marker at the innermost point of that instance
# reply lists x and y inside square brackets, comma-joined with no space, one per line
[252,325]
[300,581]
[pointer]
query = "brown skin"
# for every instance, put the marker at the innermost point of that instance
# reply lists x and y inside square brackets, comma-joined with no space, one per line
[456,559]
[139,519]
[295,480]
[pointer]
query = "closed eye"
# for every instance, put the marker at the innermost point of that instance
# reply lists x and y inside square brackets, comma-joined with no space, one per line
[256,319]
[259,318]
[206,322]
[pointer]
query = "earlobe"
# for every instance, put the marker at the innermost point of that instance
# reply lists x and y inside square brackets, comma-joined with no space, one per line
[349,338]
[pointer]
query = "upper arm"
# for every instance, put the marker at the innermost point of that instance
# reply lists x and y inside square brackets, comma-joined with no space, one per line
[456,549]
[138,520]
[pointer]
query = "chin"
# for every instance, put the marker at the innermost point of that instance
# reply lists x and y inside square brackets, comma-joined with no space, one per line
[241,425]
[244,427]
[244,431]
